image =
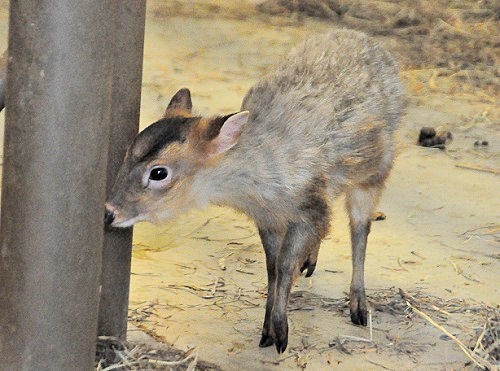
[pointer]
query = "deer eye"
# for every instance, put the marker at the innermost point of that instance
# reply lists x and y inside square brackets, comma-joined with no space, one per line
[157,177]
[158,173]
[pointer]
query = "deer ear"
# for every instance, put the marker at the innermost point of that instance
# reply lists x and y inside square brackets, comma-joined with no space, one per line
[181,100]
[224,132]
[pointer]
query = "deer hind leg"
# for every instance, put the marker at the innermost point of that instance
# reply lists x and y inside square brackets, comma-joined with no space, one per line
[299,250]
[298,240]
[360,202]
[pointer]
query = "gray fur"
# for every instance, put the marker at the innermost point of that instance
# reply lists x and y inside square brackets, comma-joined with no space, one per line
[321,123]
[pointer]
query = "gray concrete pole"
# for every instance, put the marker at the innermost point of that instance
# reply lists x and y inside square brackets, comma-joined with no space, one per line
[56,139]
[125,104]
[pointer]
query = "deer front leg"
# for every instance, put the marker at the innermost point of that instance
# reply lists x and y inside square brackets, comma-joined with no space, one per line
[271,241]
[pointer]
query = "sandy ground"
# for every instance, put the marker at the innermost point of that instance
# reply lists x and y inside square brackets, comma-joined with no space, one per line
[199,281]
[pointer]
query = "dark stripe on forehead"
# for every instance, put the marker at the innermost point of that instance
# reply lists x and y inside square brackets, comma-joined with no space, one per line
[157,136]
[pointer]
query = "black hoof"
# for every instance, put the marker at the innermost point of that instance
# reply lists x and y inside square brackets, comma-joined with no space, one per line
[304,266]
[280,333]
[310,269]
[266,341]
[281,345]
[358,307]
[359,317]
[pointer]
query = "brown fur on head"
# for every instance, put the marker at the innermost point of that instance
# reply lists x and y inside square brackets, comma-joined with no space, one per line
[155,180]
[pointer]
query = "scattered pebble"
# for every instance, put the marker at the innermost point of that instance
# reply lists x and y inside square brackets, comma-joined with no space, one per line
[478,143]
[429,138]
[426,133]
[378,216]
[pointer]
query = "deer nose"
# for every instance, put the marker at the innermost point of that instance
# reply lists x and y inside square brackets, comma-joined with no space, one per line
[109,216]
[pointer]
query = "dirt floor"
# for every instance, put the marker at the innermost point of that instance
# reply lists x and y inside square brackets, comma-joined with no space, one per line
[432,270]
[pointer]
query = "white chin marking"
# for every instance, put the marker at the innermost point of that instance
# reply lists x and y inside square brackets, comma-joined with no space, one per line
[129,222]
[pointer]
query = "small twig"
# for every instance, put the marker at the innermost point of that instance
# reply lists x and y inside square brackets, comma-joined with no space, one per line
[492,228]
[170,363]
[478,168]
[277,362]
[378,364]
[460,272]
[457,269]
[333,271]
[344,338]
[244,272]
[418,255]
[208,221]
[479,339]
[121,365]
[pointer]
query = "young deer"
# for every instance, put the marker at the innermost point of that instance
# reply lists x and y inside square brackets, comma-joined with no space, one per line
[321,123]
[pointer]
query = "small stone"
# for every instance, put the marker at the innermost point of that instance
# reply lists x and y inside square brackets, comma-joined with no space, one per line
[426,133]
